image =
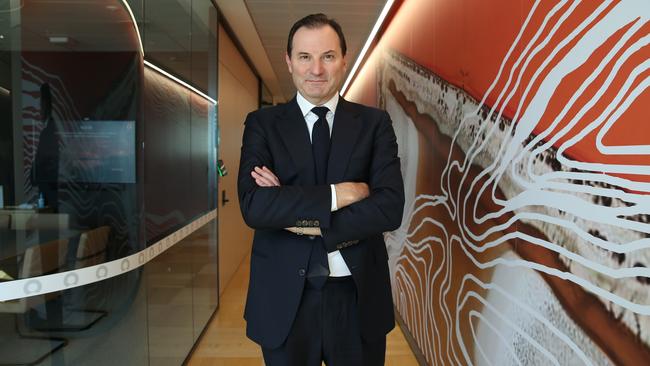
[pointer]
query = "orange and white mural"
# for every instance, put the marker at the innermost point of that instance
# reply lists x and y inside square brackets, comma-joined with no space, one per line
[524,133]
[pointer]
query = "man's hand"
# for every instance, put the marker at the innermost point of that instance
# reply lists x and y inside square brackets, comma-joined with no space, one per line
[264,177]
[348,193]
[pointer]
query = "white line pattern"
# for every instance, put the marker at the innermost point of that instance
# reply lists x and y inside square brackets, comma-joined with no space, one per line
[597,224]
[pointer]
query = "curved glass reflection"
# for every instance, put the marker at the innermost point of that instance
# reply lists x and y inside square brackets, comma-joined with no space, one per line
[79,189]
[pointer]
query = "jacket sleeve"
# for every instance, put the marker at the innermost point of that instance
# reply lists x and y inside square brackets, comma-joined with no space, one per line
[276,207]
[382,210]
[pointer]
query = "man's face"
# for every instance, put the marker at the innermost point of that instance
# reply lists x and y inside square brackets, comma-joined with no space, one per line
[316,63]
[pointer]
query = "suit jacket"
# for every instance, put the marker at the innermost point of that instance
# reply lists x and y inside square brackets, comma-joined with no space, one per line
[363,149]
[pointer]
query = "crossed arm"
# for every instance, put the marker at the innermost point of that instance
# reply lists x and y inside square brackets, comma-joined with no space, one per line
[347,193]
[365,209]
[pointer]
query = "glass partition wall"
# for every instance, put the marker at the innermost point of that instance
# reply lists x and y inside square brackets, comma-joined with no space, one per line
[108,242]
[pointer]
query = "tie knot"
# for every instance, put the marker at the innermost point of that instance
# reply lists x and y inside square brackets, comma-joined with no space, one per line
[321,112]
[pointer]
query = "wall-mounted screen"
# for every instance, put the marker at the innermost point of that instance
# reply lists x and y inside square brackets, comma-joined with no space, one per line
[97,151]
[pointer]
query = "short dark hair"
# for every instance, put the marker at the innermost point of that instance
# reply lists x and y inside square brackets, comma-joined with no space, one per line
[316,21]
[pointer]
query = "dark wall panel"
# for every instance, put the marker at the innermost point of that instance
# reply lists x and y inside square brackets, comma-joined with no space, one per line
[167,155]
[200,154]
[177,151]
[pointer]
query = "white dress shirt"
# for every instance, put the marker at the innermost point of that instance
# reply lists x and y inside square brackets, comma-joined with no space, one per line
[338,267]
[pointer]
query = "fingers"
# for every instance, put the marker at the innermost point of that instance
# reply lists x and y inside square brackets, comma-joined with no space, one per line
[360,190]
[348,193]
[261,181]
[364,190]
[264,177]
[271,175]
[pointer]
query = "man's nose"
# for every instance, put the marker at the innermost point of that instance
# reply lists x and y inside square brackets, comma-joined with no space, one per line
[317,67]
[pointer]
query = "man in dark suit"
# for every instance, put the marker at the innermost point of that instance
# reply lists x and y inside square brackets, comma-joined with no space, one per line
[320,183]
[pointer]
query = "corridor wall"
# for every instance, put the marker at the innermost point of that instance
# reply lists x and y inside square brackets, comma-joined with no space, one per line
[523,136]
[238,95]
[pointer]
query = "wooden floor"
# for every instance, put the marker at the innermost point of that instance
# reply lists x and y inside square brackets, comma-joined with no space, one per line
[224,342]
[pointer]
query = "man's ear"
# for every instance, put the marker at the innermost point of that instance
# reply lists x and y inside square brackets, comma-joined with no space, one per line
[287,58]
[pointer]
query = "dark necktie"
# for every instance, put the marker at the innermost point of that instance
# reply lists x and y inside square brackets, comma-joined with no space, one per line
[320,145]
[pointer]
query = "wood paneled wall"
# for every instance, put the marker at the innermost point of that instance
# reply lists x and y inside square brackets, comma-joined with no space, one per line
[238,95]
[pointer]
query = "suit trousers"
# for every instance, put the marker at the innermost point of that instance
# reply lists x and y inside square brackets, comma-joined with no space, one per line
[327,329]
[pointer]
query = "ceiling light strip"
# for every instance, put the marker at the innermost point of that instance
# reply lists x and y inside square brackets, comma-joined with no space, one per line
[160,70]
[366,46]
[174,78]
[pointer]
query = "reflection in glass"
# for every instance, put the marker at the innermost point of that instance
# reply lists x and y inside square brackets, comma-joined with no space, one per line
[167,40]
[204,58]
[69,98]
[73,180]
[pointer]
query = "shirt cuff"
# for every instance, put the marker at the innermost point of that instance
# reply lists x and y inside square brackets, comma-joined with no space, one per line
[334,207]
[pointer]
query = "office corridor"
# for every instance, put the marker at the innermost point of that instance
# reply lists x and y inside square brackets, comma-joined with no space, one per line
[224,342]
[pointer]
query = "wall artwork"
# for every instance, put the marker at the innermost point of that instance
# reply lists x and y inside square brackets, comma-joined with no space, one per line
[526,232]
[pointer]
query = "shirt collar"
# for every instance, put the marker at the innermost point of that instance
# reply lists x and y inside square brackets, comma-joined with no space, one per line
[306,106]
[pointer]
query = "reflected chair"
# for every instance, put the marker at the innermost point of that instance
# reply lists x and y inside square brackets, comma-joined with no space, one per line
[92,247]
[38,260]
[91,250]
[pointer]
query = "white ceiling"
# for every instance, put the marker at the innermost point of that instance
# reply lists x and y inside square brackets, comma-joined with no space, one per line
[272,20]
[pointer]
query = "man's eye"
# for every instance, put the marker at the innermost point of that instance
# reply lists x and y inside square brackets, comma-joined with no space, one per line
[303,57]
[329,57]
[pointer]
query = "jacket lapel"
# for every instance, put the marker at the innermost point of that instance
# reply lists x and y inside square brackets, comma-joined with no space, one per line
[347,126]
[295,136]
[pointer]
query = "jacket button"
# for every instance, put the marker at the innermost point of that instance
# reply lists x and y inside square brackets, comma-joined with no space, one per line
[298,223]
[304,223]
[316,223]
[301,272]
[339,246]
